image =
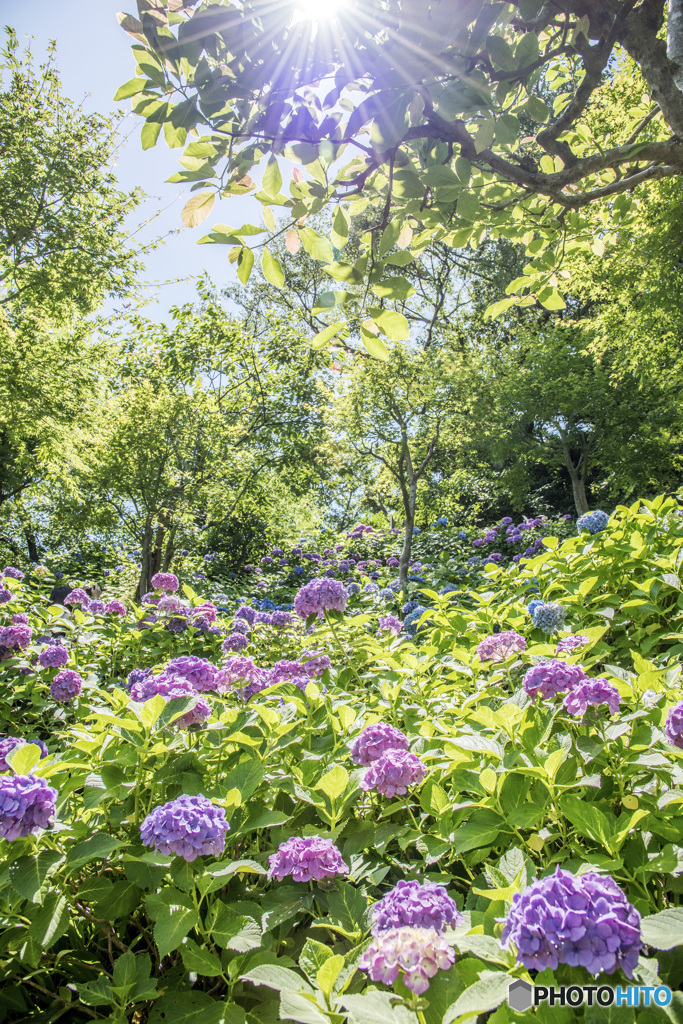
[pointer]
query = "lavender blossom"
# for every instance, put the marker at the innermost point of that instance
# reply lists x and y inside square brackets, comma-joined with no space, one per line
[416,905]
[54,656]
[548,678]
[595,692]
[16,636]
[569,644]
[190,827]
[417,953]
[66,685]
[165,581]
[27,805]
[305,859]
[375,740]
[393,772]
[321,595]
[500,646]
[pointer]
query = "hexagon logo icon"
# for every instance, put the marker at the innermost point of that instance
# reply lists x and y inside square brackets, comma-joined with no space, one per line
[520,996]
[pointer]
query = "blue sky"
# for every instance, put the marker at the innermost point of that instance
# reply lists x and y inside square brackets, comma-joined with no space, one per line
[94,59]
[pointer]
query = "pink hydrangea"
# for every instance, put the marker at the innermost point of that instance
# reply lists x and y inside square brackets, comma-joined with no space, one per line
[500,646]
[394,772]
[305,859]
[165,581]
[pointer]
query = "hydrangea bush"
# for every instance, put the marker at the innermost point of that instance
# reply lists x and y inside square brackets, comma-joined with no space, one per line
[337,819]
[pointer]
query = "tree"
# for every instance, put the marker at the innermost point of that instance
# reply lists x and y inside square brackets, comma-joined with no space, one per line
[63,248]
[464,120]
[400,414]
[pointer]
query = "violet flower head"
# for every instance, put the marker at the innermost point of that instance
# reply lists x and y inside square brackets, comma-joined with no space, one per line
[241,626]
[5,595]
[78,596]
[165,581]
[500,646]
[247,613]
[548,678]
[20,617]
[241,676]
[579,920]
[16,636]
[314,663]
[375,740]
[673,729]
[289,672]
[169,604]
[115,607]
[416,953]
[197,671]
[389,624]
[54,656]
[280,619]
[416,905]
[12,573]
[27,805]
[393,773]
[592,692]
[569,644]
[189,827]
[321,595]
[66,685]
[235,642]
[305,859]
[138,675]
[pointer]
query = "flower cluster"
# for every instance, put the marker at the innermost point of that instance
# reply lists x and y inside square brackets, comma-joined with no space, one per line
[199,672]
[393,772]
[190,826]
[16,636]
[389,624]
[583,921]
[592,691]
[673,728]
[305,859]
[569,644]
[417,953]
[550,677]
[417,905]
[548,617]
[321,595]
[165,581]
[12,573]
[27,804]
[376,740]
[241,675]
[593,522]
[66,685]
[500,646]
[54,656]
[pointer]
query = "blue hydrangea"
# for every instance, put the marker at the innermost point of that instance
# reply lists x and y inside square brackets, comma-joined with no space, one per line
[371,588]
[299,570]
[442,521]
[386,594]
[462,535]
[533,605]
[449,589]
[593,522]
[416,531]
[410,622]
[409,607]
[548,617]
[474,560]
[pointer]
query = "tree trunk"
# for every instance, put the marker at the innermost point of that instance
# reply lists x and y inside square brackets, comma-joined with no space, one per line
[409,500]
[578,481]
[146,572]
[674,40]
[169,551]
[32,546]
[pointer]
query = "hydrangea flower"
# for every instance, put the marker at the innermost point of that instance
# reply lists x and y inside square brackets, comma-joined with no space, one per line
[410,623]
[20,617]
[389,624]
[16,636]
[393,772]
[197,671]
[579,920]
[281,619]
[499,646]
[246,613]
[417,953]
[569,644]
[54,656]
[321,595]
[289,672]
[314,663]
[5,595]
[115,607]
[593,522]
[533,605]
[78,596]
[10,743]
[416,905]
[371,588]
[96,608]
[595,692]
[27,805]
[66,685]
[12,573]
[305,859]
[550,677]
[375,740]
[548,617]
[241,675]
[673,729]
[235,642]
[190,827]
[165,581]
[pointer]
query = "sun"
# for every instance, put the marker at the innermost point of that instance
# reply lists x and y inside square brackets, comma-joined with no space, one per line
[318,10]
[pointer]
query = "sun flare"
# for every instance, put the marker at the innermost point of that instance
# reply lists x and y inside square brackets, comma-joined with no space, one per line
[319,10]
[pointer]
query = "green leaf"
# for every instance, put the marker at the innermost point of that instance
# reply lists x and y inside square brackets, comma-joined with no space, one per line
[339,235]
[272,178]
[197,209]
[347,909]
[29,873]
[272,269]
[393,325]
[317,247]
[173,915]
[398,288]
[51,922]
[588,820]
[232,930]
[390,236]
[202,961]
[23,759]
[334,782]
[550,298]
[97,847]
[131,88]
[244,263]
[374,345]
[313,956]
[663,930]
[323,337]
[279,978]
[301,1008]
[489,991]
[150,134]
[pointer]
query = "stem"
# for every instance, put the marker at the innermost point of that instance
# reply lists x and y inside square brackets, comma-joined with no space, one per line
[348,664]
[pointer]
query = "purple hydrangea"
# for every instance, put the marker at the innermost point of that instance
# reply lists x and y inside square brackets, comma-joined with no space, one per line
[375,740]
[178,687]
[321,595]
[595,692]
[27,805]
[417,953]
[289,672]
[16,636]
[673,729]
[169,604]
[10,743]
[314,663]
[242,626]
[189,827]
[115,607]
[206,611]
[246,613]
[242,676]
[66,685]
[389,624]
[54,656]
[12,573]
[499,646]
[569,644]
[305,859]
[416,905]
[165,581]
[280,619]
[235,642]
[5,595]
[197,671]
[178,624]
[20,617]
[96,607]
[393,772]
[550,677]
[579,920]
[78,596]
